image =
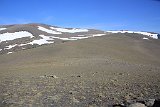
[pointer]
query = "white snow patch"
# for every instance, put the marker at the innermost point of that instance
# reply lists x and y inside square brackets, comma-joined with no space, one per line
[123,31]
[74,30]
[2,29]
[98,35]
[9,52]
[114,31]
[79,37]
[67,39]
[152,35]
[15,35]
[48,30]
[0,49]
[145,38]
[22,44]
[11,46]
[44,40]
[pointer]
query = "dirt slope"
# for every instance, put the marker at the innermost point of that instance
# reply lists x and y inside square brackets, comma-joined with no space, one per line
[92,72]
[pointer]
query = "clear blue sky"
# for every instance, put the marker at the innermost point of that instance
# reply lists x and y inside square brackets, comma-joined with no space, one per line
[101,14]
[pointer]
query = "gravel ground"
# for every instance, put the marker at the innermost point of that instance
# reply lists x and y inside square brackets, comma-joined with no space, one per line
[82,74]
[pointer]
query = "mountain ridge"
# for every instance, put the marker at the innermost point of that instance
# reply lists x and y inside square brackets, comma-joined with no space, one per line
[17,37]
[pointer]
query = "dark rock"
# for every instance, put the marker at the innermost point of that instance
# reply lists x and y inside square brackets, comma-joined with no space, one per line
[140,101]
[120,73]
[118,105]
[53,76]
[70,93]
[156,103]
[78,76]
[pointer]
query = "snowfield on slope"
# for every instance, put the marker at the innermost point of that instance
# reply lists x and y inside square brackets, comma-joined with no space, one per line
[3,29]
[50,39]
[15,35]
[44,40]
[48,30]
[79,37]
[74,30]
[68,39]
[152,35]
[10,46]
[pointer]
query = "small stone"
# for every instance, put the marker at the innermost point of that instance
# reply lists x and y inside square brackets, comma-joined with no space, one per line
[70,93]
[78,76]
[82,97]
[150,102]
[100,95]
[55,98]
[53,76]
[137,105]
[75,100]
[42,76]
[120,73]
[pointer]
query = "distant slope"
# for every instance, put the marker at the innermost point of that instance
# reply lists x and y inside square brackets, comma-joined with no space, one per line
[124,47]
[24,36]
[149,34]
[19,37]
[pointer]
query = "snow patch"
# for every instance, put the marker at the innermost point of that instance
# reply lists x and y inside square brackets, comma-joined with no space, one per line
[123,31]
[11,46]
[44,40]
[145,38]
[155,36]
[152,35]
[98,35]
[15,35]
[74,30]
[22,44]
[9,52]
[79,37]
[3,29]
[48,30]
[67,39]
[0,49]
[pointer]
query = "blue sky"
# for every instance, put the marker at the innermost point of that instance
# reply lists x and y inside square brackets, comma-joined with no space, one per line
[143,15]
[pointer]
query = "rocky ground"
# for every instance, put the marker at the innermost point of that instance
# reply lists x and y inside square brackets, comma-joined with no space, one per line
[53,91]
[121,71]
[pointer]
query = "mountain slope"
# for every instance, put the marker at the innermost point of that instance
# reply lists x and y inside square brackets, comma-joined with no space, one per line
[25,36]
[96,71]
[19,37]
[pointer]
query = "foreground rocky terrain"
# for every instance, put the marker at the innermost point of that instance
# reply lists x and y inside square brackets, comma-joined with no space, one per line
[114,70]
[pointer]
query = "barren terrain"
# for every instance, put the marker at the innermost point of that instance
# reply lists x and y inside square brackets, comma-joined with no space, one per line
[99,71]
